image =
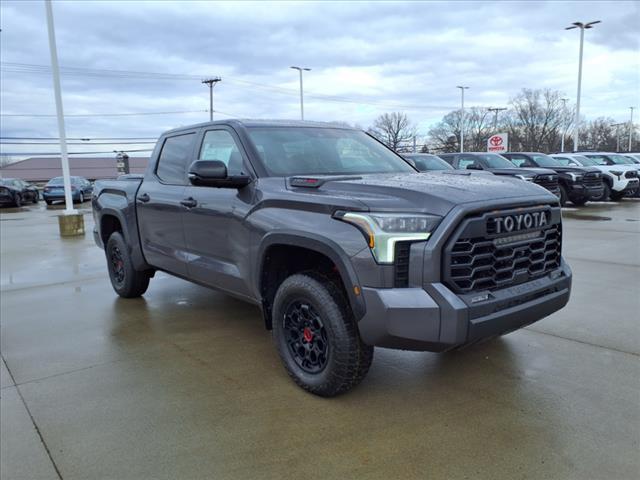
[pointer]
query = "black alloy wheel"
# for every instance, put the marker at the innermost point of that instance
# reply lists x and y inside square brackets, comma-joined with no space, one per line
[117,265]
[306,336]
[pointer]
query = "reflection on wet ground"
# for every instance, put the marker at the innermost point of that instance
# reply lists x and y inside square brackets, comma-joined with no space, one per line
[185,382]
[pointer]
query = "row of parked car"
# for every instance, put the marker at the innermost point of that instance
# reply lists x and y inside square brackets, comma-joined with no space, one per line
[16,192]
[572,177]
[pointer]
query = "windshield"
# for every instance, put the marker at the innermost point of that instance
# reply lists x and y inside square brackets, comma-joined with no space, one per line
[620,160]
[288,151]
[425,162]
[545,160]
[60,181]
[586,162]
[493,160]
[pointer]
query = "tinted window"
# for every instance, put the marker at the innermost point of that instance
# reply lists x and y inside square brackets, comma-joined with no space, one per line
[518,160]
[317,151]
[464,162]
[545,160]
[493,160]
[425,162]
[220,145]
[175,154]
[620,160]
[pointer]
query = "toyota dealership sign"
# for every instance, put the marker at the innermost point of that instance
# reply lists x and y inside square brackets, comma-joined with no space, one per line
[498,143]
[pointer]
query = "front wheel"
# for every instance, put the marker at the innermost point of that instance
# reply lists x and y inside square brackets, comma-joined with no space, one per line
[126,280]
[563,196]
[578,202]
[18,200]
[606,193]
[616,196]
[317,337]
[81,199]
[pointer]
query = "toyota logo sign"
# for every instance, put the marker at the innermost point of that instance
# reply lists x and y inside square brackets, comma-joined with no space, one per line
[498,143]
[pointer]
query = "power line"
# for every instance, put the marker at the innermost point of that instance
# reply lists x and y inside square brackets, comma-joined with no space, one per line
[75,143]
[130,74]
[85,139]
[129,114]
[46,154]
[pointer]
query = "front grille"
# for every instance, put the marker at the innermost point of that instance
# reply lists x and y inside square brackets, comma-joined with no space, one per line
[474,263]
[401,265]
[592,180]
[631,174]
[550,182]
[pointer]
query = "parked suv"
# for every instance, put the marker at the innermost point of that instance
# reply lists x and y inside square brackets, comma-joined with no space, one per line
[619,180]
[81,190]
[494,163]
[341,242]
[577,184]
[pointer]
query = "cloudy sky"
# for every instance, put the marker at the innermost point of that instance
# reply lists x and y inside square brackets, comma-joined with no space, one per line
[366,58]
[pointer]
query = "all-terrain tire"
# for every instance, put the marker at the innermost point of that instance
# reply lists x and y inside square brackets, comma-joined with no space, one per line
[578,202]
[616,196]
[347,358]
[606,194]
[125,279]
[564,196]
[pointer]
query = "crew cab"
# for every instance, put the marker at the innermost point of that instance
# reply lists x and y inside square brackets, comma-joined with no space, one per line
[494,163]
[341,242]
[577,184]
[619,180]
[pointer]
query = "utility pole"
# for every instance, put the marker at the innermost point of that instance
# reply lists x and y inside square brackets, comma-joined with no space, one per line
[617,127]
[566,125]
[300,70]
[582,27]
[462,89]
[630,128]
[211,82]
[495,111]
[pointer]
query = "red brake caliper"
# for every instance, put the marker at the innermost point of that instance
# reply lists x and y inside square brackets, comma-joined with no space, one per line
[307,334]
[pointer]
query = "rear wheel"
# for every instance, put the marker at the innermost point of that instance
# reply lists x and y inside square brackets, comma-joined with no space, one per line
[35,198]
[126,280]
[81,199]
[48,202]
[317,337]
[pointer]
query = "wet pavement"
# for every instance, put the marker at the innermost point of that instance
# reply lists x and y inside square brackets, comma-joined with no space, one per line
[185,382]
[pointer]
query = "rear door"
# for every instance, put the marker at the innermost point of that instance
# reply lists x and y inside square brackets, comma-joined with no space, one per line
[215,234]
[160,205]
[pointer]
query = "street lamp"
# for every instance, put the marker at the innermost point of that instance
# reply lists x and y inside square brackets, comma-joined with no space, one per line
[211,82]
[495,111]
[462,89]
[300,69]
[582,27]
[630,128]
[617,127]
[566,124]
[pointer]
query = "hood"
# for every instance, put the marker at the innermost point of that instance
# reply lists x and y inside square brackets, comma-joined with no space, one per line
[576,169]
[429,192]
[526,171]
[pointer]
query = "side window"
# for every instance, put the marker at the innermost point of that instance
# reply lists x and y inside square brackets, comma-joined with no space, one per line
[220,145]
[565,161]
[518,160]
[465,162]
[175,154]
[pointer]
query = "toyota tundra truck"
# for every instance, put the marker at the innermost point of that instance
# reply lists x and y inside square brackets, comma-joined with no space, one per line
[341,242]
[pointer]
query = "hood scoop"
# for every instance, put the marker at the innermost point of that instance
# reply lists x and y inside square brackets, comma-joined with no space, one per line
[317,182]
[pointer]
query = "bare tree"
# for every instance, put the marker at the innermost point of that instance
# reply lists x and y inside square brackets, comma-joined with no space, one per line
[445,135]
[395,130]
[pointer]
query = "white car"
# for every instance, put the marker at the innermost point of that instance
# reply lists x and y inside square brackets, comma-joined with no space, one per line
[619,179]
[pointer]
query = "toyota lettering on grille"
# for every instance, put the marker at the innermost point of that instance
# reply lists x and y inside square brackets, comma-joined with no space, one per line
[519,221]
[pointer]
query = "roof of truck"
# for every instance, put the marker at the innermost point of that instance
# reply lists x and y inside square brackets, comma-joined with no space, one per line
[263,123]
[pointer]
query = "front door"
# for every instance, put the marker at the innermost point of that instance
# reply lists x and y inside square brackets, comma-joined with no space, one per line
[160,206]
[216,237]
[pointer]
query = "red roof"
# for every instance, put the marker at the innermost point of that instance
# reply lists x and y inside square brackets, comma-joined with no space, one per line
[41,169]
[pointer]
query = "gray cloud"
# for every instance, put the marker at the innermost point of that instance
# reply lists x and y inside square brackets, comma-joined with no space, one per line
[386,54]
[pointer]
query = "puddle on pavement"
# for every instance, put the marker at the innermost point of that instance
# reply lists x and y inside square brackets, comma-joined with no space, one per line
[595,218]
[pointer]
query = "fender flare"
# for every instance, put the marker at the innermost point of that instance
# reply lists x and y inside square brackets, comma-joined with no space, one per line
[132,241]
[322,245]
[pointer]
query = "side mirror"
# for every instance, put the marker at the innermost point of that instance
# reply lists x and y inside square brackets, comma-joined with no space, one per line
[213,173]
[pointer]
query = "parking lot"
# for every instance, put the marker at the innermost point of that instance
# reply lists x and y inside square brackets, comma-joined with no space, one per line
[185,382]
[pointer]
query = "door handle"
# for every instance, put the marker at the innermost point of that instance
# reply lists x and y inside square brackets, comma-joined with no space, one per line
[189,202]
[144,198]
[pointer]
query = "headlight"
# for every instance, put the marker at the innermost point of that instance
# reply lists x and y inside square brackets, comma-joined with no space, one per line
[525,178]
[383,230]
[576,176]
[616,173]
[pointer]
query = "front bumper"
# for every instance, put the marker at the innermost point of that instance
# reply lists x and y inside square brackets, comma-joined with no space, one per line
[436,319]
[579,190]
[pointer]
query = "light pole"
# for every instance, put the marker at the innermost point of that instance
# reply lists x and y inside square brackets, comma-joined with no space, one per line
[211,82]
[495,111]
[576,127]
[462,89]
[617,127]
[566,124]
[300,70]
[630,128]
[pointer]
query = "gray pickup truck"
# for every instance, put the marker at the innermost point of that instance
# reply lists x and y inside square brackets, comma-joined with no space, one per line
[340,241]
